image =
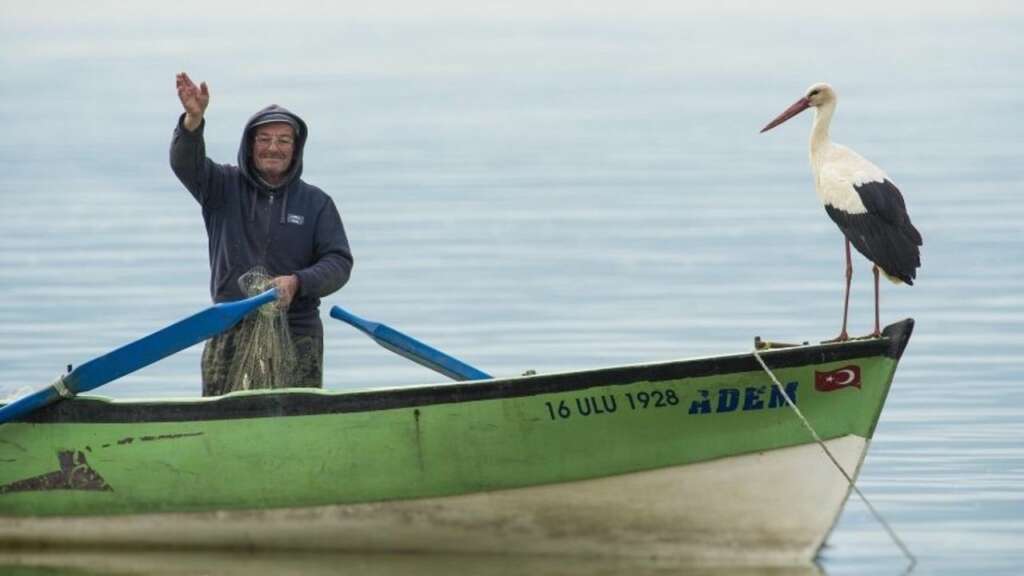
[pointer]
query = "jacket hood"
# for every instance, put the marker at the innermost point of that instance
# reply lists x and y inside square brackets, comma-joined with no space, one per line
[272,113]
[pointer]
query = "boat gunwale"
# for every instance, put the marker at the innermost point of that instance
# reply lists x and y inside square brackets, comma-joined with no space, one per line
[299,402]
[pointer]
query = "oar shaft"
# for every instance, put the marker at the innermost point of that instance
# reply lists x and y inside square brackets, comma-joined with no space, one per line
[411,348]
[164,342]
[28,404]
[138,354]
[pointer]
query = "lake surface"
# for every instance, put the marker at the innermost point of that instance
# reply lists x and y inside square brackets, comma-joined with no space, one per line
[554,189]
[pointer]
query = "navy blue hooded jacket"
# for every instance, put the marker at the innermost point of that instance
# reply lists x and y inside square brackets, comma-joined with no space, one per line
[292,228]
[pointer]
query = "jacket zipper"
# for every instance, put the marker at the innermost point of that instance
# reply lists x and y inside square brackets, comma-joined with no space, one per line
[270,222]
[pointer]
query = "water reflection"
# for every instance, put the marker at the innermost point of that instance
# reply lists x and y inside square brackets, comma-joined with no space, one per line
[314,564]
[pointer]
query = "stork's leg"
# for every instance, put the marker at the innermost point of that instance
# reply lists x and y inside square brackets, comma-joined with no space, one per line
[878,331]
[843,336]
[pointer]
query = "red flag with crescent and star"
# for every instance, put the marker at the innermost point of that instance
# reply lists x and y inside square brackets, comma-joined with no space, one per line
[844,377]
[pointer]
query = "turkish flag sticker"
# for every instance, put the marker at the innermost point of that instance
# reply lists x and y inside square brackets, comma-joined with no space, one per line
[842,378]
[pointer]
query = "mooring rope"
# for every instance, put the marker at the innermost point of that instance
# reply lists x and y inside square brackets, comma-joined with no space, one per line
[892,533]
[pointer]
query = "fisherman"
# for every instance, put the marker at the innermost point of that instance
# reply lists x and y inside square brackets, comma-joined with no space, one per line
[261,213]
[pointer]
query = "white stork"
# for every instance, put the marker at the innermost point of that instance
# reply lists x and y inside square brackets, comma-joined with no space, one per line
[860,199]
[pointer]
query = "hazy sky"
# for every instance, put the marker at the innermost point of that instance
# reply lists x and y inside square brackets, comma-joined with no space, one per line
[188,10]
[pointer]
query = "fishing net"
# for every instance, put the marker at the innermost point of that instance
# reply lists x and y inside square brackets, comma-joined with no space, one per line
[264,356]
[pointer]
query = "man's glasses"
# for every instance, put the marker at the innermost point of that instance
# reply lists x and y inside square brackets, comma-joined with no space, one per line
[281,141]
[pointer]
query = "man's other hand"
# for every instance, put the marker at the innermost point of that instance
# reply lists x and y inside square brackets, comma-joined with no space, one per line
[287,288]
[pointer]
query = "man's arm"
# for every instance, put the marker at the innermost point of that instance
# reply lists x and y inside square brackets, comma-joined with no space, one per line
[333,265]
[200,175]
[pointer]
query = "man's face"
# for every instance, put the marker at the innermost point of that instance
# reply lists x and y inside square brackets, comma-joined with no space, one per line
[272,150]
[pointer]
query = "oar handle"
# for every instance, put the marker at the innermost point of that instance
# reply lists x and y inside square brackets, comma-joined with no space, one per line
[363,325]
[411,348]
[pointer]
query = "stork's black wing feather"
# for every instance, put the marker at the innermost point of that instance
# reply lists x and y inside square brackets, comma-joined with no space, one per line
[883,234]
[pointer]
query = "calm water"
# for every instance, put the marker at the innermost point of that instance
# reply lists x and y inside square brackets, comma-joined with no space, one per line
[550,190]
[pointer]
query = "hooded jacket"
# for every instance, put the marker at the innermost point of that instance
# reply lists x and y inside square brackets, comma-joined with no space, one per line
[291,228]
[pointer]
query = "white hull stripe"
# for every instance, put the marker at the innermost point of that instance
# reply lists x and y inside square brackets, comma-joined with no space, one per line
[772,507]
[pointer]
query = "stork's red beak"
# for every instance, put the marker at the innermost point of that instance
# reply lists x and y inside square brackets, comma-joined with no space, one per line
[797,107]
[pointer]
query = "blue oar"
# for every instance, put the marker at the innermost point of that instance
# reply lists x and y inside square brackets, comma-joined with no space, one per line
[138,354]
[411,348]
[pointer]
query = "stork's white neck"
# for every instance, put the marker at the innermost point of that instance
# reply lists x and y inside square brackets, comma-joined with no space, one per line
[819,131]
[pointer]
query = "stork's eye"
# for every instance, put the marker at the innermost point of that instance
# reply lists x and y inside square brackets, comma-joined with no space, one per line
[813,93]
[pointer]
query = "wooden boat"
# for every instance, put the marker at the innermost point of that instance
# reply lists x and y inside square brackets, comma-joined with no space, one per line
[695,460]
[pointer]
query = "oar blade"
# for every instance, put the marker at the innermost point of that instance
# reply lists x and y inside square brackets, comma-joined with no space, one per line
[139,354]
[412,348]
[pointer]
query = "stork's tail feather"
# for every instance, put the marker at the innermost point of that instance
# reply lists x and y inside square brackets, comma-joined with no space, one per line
[909,281]
[899,261]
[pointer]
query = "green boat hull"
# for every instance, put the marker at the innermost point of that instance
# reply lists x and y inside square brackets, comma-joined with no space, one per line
[353,458]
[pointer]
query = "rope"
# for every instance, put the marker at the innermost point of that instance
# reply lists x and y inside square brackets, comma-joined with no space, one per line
[892,533]
[62,388]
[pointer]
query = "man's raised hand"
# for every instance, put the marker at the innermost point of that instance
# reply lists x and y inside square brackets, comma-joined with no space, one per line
[194,99]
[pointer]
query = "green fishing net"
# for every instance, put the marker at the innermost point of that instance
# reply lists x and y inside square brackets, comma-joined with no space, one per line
[265,356]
